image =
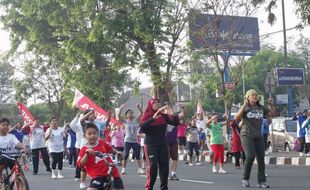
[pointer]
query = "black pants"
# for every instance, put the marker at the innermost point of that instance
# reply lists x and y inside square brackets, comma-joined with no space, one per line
[57,159]
[302,142]
[156,157]
[77,168]
[72,156]
[237,156]
[45,157]
[254,147]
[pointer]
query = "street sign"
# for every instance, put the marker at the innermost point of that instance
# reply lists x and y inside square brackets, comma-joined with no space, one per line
[219,32]
[281,99]
[291,77]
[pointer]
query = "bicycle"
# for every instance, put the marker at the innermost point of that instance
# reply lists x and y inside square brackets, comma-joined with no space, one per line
[110,183]
[15,180]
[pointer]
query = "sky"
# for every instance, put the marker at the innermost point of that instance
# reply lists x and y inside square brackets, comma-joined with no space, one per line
[264,27]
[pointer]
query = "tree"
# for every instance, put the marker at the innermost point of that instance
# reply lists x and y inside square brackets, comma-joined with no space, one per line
[6,80]
[42,82]
[150,33]
[303,9]
[71,36]
[303,52]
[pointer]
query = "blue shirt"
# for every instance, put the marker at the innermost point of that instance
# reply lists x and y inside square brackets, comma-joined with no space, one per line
[18,134]
[301,131]
[265,127]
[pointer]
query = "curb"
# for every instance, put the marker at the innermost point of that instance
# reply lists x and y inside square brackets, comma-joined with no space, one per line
[269,160]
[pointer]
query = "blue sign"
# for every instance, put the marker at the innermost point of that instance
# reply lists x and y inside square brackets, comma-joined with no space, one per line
[224,33]
[290,77]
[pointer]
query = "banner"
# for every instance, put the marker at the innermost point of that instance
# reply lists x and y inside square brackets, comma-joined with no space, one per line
[83,103]
[27,116]
[199,107]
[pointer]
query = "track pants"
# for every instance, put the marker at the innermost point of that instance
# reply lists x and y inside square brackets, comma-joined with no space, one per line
[254,147]
[156,157]
[45,157]
[57,158]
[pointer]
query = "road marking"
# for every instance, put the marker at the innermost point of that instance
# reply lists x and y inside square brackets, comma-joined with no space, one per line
[189,180]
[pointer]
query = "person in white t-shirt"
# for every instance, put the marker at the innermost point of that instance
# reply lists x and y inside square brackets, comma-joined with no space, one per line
[55,135]
[37,145]
[8,145]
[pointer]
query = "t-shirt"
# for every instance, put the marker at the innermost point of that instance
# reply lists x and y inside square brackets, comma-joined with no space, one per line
[76,126]
[8,146]
[37,139]
[117,138]
[71,139]
[192,134]
[171,136]
[55,142]
[216,131]
[201,124]
[252,120]
[182,130]
[95,165]
[19,134]
[131,130]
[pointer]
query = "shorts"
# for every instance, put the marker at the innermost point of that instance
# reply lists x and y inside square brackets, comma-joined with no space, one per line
[100,183]
[136,150]
[173,151]
[182,141]
[6,162]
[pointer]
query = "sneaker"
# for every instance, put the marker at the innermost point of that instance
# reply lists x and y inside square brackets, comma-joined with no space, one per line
[173,177]
[76,179]
[221,171]
[214,169]
[198,164]
[123,171]
[245,183]
[141,171]
[190,164]
[301,154]
[82,186]
[54,174]
[59,175]
[263,185]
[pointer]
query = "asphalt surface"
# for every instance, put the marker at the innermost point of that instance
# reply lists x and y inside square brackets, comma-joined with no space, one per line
[191,178]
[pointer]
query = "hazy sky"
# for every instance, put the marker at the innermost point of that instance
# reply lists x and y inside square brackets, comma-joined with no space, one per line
[264,27]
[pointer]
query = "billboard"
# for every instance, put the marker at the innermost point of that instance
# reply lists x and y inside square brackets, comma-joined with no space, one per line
[220,32]
[290,77]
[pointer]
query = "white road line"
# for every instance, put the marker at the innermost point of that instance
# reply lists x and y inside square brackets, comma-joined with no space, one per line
[190,180]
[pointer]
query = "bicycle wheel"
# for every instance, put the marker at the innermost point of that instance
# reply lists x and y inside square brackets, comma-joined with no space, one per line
[20,183]
[6,182]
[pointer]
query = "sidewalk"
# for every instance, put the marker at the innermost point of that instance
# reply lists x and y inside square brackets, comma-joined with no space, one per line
[274,158]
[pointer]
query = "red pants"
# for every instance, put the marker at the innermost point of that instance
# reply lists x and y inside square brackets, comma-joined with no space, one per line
[218,151]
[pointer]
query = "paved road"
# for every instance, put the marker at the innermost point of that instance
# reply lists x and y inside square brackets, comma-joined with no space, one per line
[192,178]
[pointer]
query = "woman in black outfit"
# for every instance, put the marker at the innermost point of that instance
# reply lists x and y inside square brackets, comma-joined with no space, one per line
[153,125]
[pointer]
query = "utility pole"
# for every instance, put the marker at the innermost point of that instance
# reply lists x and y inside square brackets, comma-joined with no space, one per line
[289,88]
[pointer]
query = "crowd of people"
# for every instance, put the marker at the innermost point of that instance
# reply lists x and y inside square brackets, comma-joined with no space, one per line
[154,137]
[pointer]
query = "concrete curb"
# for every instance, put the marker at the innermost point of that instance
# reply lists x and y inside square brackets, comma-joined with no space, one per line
[270,160]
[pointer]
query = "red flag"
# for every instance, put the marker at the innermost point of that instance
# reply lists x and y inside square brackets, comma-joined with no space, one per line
[27,116]
[83,103]
[199,107]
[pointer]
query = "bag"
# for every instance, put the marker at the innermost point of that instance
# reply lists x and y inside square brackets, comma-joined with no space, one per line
[296,146]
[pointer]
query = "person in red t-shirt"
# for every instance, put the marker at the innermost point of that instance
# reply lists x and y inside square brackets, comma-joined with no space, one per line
[95,165]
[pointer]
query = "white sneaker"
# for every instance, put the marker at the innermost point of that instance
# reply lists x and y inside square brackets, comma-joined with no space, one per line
[60,176]
[141,171]
[54,174]
[123,171]
[185,151]
[82,186]
[198,164]
[221,171]
[190,164]
[301,154]
[179,151]
[76,179]
[214,169]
